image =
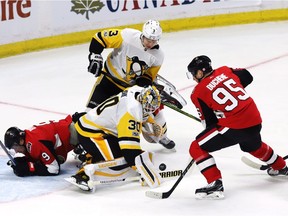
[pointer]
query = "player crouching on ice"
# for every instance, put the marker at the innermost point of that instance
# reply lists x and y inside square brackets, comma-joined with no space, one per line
[41,149]
[111,133]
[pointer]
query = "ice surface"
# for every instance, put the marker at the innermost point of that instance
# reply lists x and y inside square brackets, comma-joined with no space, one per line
[46,85]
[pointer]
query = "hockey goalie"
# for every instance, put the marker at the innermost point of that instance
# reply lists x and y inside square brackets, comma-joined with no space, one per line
[110,136]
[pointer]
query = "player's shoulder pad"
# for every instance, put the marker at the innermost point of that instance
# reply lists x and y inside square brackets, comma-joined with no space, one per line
[133,106]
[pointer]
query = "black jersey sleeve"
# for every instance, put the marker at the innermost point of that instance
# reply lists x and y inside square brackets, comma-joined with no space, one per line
[244,75]
[208,113]
[95,46]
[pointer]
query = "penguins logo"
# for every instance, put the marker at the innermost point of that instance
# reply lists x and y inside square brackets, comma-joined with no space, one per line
[135,67]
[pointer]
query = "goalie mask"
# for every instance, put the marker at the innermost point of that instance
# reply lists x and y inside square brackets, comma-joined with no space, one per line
[150,99]
[13,136]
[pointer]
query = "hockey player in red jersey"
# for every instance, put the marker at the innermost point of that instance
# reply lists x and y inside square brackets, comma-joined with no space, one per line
[41,149]
[229,116]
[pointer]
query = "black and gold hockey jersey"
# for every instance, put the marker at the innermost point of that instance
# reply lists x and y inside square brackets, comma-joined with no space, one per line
[129,58]
[120,115]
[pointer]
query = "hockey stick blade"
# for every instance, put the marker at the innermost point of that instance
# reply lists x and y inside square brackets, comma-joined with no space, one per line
[155,195]
[165,195]
[255,165]
[161,78]
[91,185]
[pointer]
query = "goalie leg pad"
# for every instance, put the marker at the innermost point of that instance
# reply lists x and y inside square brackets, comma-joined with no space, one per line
[109,170]
[147,170]
[108,174]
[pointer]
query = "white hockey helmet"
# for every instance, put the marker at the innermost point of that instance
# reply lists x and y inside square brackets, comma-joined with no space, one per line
[152,30]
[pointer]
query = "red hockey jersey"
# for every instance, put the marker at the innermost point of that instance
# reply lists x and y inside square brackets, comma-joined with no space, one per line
[223,94]
[49,143]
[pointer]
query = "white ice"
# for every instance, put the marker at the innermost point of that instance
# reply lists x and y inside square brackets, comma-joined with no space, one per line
[47,85]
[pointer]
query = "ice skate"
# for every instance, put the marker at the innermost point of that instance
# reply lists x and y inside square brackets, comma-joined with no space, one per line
[282,172]
[167,143]
[212,191]
[81,180]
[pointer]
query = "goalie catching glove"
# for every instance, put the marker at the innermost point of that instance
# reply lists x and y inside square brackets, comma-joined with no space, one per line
[95,64]
[152,132]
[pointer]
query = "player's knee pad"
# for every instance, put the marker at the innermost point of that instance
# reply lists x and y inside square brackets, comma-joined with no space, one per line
[147,170]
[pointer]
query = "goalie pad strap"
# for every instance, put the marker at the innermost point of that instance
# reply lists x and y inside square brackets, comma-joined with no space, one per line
[91,168]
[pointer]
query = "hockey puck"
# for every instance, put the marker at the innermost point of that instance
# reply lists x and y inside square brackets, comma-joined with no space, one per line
[162,166]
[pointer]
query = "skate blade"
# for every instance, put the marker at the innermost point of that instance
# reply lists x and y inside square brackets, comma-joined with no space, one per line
[83,187]
[217,195]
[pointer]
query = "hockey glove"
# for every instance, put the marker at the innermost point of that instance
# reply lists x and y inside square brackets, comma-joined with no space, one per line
[95,64]
[22,167]
[76,116]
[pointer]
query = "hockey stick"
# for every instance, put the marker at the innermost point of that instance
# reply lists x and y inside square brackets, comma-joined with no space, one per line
[8,154]
[161,78]
[180,111]
[91,184]
[164,195]
[103,182]
[255,165]
[169,92]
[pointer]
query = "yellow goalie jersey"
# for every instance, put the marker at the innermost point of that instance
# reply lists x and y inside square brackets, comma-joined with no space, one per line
[129,58]
[120,115]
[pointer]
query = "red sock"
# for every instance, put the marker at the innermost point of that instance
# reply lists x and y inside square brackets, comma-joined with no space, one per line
[266,154]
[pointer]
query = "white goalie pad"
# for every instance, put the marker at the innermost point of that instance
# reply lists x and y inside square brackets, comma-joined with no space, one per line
[147,170]
[108,175]
[104,171]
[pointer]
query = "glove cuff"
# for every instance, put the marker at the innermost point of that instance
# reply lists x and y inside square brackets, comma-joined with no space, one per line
[31,167]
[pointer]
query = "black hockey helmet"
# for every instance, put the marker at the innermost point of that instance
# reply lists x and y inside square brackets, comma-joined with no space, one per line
[13,136]
[201,62]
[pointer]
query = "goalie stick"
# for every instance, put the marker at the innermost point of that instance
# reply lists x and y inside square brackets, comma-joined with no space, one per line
[128,179]
[255,165]
[104,182]
[8,154]
[164,195]
[118,162]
